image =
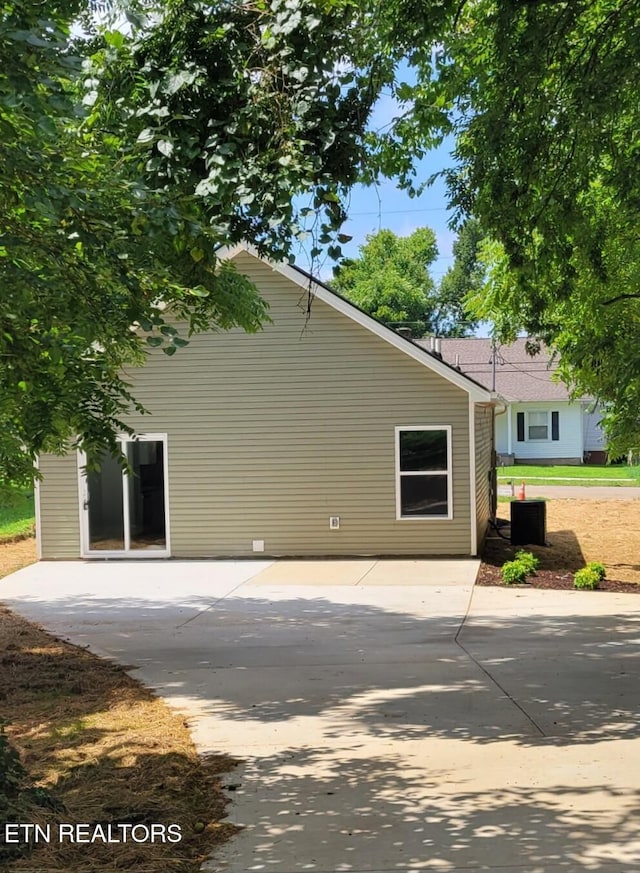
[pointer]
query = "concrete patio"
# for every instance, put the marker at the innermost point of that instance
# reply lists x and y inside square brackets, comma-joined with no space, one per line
[390,716]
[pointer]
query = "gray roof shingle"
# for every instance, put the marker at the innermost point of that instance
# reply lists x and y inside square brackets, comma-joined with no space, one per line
[519,376]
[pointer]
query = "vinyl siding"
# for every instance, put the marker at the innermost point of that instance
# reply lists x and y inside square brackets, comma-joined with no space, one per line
[270,434]
[571,428]
[59,533]
[569,446]
[502,435]
[593,435]
[484,468]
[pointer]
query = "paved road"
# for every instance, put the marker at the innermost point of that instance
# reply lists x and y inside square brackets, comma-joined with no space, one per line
[390,716]
[583,492]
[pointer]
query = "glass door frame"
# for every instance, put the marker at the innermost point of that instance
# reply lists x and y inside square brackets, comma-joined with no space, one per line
[83,505]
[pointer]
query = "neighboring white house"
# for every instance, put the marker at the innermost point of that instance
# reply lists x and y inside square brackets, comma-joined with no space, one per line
[541,423]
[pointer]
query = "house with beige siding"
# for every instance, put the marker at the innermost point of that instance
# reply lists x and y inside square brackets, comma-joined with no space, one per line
[325,434]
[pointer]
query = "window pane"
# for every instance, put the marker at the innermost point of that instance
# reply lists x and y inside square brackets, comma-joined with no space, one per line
[146,495]
[538,425]
[423,496]
[538,418]
[423,450]
[538,432]
[106,516]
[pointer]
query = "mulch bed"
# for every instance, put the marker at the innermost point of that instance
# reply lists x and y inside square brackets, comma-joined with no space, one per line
[490,575]
[554,571]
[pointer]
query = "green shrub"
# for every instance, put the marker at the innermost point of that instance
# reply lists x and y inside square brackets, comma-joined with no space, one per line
[513,572]
[586,579]
[528,560]
[598,568]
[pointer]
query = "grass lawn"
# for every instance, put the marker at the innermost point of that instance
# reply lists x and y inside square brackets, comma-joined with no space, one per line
[585,474]
[17,516]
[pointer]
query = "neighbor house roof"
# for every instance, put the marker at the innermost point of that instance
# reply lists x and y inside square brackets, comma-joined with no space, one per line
[519,375]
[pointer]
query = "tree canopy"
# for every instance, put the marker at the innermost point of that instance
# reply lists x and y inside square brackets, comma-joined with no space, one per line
[244,108]
[88,252]
[541,100]
[464,279]
[132,147]
[390,280]
[134,144]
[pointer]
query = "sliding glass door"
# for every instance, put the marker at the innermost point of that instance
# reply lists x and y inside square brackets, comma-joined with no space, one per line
[125,513]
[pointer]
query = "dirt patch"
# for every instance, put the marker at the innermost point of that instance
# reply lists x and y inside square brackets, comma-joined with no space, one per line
[578,531]
[98,748]
[16,554]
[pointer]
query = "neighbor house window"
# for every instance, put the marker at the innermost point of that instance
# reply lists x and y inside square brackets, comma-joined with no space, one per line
[537,425]
[423,472]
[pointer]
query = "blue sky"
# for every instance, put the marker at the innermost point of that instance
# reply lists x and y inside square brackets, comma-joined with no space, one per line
[387,207]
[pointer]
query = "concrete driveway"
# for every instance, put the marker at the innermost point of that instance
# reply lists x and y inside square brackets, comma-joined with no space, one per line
[390,716]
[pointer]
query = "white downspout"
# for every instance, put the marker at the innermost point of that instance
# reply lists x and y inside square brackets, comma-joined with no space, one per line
[505,408]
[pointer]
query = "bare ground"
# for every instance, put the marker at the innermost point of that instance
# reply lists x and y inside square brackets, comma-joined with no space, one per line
[97,748]
[578,531]
[16,554]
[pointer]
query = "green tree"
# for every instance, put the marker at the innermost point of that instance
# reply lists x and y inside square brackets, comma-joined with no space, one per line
[596,339]
[541,97]
[252,110]
[87,252]
[390,279]
[465,278]
[129,154]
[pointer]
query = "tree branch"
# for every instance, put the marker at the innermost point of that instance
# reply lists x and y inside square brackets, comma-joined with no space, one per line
[634,296]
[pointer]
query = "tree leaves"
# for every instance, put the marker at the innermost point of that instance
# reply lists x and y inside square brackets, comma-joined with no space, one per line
[464,279]
[546,116]
[260,104]
[127,156]
[88,249]
[390,280]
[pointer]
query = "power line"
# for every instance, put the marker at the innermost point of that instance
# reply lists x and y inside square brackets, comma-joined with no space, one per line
[401,211]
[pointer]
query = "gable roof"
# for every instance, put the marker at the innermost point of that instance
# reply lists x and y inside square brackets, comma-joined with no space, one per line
[519,376]
[477,391]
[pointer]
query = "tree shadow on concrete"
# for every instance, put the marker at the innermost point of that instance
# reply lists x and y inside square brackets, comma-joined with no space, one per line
[378,814]
[96,747]
[263,662]
[368,729]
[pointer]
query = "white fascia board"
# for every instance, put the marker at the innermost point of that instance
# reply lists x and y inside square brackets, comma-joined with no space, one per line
[475,392]
[228,253]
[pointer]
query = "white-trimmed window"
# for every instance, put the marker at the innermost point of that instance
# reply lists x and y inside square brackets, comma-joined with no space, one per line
[537,425]
[423,472]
